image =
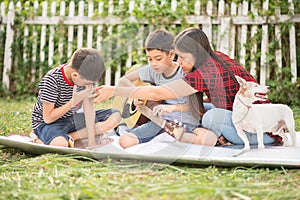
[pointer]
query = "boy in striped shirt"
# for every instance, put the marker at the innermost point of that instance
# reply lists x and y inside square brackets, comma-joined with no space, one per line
[55,116]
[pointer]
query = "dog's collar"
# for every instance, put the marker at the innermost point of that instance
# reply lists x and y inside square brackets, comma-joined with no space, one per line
[248,108]
[243,102]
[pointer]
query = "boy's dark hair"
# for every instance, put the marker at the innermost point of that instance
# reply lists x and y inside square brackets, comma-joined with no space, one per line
[89,64]
[159,40]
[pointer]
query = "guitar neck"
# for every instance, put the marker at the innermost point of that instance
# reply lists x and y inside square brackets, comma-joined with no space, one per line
[149,114]
[173,130]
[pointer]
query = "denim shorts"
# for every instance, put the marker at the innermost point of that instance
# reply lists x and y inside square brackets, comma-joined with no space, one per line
[149,130]
[61,127]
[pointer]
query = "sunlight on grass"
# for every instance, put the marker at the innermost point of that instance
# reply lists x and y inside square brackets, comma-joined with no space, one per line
[67,177]
[15,116]
[52,176]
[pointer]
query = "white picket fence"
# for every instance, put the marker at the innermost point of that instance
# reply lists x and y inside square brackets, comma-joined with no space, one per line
[233,29]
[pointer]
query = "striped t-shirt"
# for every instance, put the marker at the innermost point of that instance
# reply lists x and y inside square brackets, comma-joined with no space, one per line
[54,88]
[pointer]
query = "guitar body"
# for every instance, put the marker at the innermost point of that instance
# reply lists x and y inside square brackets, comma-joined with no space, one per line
[150,104]
[130,115]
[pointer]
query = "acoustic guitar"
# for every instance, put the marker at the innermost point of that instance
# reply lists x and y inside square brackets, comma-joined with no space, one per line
[172,128]
[130,115]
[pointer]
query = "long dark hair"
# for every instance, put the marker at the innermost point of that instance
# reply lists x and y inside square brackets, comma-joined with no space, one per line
[194,41]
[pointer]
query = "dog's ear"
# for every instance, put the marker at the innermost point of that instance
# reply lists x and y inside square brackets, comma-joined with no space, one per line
[240,80]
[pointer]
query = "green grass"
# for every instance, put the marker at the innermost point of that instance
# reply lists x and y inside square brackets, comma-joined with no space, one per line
[52,176]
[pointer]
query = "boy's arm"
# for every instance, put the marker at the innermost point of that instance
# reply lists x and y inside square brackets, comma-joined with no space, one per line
[51,114]
[128,79]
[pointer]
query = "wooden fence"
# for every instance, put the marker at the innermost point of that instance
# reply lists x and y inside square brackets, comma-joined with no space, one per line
[53,30]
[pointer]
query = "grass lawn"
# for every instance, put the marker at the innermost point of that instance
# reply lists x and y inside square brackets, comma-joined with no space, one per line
[52,176]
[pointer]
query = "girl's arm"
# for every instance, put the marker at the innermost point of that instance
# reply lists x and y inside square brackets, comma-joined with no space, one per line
[174,89]
[165,109]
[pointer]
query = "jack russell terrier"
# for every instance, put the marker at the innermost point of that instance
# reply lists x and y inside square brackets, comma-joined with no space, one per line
[260,118]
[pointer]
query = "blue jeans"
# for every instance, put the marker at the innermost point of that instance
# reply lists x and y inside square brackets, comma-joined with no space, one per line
[149,130]
[61,127]
[219,121]
[208,106]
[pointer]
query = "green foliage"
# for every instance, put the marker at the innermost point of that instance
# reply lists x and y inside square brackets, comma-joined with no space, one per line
[282,89]
[127,38]
[286,92]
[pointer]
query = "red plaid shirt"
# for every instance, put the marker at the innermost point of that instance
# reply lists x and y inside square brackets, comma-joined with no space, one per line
[215,81]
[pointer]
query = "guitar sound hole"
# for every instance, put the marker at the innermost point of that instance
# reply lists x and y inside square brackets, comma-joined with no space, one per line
[132,108]
[128,110]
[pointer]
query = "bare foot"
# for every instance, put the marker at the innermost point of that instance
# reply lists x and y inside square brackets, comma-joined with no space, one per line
[101,140]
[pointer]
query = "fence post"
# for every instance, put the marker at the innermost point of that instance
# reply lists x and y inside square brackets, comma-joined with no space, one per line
[293,57]
[264,68]
[71,29]
[90,37]
[61,44]
[278,53]
[119,28]
[231,54]
[129,47]
[43,39]
[207,28]
[80,27]
[224,27]
[109,46]
[34,46]
[244,31]
[253,40]
[99,28]
[8,43]
[51,36]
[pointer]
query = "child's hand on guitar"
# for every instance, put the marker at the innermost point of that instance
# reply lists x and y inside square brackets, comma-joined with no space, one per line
[137,102]
[175,129]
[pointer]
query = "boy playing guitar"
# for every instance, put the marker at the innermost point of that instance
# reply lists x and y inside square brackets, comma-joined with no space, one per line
[161,69]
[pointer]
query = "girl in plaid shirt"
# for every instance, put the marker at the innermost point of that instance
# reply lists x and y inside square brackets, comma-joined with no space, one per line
[212,72]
